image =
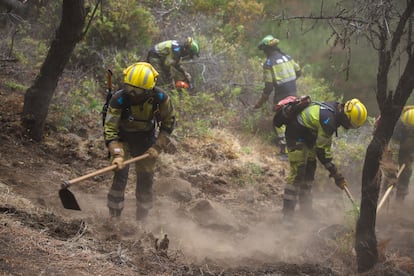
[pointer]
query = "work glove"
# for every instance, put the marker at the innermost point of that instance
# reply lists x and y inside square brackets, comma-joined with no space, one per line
[188,77]
[119,162]
[117,153]
[162,141]
[339,180]
[152,153]
[337,176]
[261,101]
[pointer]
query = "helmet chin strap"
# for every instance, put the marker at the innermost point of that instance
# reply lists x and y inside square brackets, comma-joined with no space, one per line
[138,95]
[137,92]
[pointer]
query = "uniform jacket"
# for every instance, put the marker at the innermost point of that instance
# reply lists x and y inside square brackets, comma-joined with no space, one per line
[317,124]
[170,53]
[402,139]
[280,71]
[130,113]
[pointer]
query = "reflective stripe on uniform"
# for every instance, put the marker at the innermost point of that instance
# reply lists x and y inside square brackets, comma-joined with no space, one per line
[290,192]
[116,194]
[115,205]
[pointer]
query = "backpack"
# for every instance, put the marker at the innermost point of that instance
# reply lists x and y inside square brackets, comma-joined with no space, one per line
[105,106]
[126,106]
[288,108]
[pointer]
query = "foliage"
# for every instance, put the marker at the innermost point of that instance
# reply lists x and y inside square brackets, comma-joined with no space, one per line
[242,13]
[34,50]
[208,7]
[121,29]
[318,89]
[122,24]
[15,86]
[81,105]
[228,75]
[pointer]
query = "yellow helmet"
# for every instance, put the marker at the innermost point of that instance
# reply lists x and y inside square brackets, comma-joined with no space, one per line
[407,116]
[141,75]
[356,113]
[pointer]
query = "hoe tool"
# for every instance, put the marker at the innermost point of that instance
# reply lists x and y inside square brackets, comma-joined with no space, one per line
[68,199]
[348,193]
[351,198]
[389,189]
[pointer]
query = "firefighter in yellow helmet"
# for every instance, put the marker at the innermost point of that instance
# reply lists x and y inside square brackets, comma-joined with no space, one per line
[166,57]
[402,149]
[135,114]
[309,138]
[280,72]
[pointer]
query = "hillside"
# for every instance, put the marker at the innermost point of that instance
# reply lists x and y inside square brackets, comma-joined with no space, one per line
[218,199]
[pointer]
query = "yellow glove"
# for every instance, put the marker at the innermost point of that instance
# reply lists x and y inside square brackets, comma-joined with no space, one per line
[117,153]
[152,152]
[339,180]
[162,141]
[119,161]
[116,149]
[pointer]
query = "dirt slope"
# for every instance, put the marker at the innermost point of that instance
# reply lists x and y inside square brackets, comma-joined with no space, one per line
[218,202]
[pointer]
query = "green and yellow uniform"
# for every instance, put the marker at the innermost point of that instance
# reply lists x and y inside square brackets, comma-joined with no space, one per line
[308,138]
[402,149]
[132,120]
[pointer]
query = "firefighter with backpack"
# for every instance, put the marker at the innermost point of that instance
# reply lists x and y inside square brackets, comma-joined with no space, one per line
[309,138]
[135,114]
[167,56]
[280,72]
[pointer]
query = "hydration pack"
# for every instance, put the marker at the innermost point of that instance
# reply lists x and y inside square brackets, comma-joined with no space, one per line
[288,108]
[126,106]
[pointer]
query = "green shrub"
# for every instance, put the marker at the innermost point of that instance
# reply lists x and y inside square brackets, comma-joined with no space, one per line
[15,86]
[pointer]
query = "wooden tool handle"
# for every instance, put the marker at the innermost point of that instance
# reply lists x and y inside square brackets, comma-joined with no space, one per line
[109,80]
[389,189]
[348,193]
[67,183]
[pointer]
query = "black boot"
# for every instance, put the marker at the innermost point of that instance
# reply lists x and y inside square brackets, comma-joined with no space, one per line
[305,203]
[141,212]
[143,194]
[288,209]
[289,201]
[113,213]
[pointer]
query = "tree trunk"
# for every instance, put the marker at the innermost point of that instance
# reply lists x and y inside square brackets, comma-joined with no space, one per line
[365,240]
[38,97]
[391,107]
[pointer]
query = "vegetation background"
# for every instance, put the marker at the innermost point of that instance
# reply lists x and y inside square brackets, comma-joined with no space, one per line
[228,74]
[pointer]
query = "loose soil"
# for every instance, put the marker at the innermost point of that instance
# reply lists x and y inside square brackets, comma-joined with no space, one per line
[219,220]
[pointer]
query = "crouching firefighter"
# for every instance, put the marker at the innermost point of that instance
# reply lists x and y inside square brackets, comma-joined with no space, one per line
[135,114]
[308,138]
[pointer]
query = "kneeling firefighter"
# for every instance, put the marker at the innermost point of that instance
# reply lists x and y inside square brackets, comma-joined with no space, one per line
[134,116]
[308,138]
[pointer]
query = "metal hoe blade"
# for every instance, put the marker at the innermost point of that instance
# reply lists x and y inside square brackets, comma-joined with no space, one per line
[66,196]
[68,200]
